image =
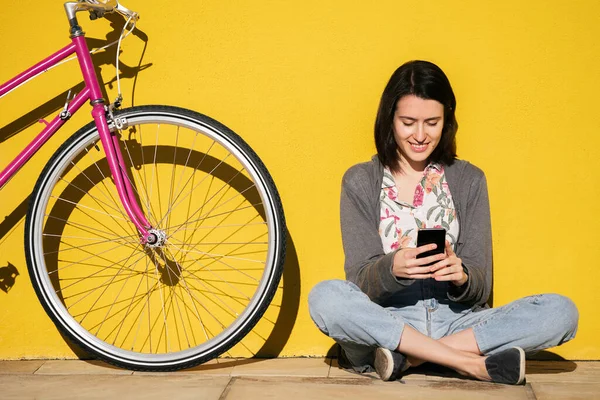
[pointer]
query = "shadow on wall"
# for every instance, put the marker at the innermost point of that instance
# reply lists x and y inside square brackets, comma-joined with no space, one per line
[290,295]
[290,304]
[10,222]
[96,175]
[9,273]
[101,58]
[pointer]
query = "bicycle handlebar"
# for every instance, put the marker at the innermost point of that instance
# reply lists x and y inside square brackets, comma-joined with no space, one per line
[98,8]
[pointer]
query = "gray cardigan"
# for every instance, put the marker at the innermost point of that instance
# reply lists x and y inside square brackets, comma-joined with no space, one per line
[367,266]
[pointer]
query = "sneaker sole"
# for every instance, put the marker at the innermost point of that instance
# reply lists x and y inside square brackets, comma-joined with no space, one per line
[384,363]
[522,366]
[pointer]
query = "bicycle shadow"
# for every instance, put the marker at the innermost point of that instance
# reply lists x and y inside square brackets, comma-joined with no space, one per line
[8,275]
[275,342]
[105,57]
[88,178]
[53,105]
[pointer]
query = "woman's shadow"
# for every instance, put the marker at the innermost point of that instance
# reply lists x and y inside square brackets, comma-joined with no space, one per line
[541,363]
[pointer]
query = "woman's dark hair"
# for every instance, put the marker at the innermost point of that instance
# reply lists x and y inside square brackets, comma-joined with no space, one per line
[426,81]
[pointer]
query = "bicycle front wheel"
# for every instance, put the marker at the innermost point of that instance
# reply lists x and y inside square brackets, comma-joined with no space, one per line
[183,302]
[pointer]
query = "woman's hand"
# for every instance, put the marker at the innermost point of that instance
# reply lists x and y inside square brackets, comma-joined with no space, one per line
[407,265]
[450,268]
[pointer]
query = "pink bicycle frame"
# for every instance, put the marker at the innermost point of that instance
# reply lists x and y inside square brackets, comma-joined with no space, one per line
[110,141]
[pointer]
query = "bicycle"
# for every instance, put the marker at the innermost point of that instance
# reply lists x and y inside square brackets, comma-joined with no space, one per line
[155,236]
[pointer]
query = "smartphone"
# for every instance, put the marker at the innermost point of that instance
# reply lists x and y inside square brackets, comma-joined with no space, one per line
[431,235]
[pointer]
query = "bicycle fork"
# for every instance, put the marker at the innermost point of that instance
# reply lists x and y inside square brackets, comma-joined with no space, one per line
[110,141]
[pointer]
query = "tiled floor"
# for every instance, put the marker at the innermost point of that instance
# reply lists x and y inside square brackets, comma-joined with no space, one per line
[284,378]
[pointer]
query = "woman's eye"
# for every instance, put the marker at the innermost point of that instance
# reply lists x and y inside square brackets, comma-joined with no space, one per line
[432,123]
[408,123]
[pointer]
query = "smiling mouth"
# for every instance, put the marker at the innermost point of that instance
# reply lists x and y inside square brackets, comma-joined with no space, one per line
[418,147]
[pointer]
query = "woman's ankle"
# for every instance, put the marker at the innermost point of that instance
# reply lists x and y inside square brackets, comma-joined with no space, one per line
[414,362]
[475,368]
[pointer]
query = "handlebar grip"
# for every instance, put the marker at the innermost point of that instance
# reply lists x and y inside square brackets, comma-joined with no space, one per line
[121,9]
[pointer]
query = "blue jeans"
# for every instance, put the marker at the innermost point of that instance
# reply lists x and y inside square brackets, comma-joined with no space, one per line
[347,315]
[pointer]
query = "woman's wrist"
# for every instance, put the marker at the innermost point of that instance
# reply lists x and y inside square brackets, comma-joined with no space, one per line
[463,280]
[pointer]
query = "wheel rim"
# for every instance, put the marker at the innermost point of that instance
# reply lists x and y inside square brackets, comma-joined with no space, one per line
[174,303]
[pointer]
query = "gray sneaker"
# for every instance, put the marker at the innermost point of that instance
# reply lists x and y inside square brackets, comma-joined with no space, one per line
[507,367]
[389,364]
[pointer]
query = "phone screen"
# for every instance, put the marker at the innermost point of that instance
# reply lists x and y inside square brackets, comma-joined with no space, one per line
[431,235]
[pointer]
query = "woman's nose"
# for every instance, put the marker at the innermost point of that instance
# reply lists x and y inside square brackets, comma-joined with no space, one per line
[420,133]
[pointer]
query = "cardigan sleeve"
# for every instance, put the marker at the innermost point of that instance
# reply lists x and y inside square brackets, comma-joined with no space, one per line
[475,246]
[366,264]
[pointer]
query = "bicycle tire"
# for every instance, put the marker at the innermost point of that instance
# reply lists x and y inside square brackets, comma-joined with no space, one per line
[85,283]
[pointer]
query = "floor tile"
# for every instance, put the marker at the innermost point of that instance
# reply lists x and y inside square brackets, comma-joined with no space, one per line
[249,389]
[80,367]
[20,366]
[50,387]
[566,391]
[563,371]
[299,367]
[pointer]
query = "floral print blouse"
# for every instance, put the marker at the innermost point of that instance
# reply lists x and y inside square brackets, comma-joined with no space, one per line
[432,207]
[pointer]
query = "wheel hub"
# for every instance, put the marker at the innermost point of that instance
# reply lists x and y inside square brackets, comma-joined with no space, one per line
[156,238]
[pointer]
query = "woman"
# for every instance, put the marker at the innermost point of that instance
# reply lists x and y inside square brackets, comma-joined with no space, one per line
[395,310]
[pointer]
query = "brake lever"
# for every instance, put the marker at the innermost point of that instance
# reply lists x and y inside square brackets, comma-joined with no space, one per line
[94,14]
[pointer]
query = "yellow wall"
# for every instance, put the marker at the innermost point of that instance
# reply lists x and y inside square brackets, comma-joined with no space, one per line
[300,81]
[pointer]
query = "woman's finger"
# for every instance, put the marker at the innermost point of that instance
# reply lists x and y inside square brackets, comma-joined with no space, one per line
[451,277]
[446,262]
[450,268]
[418,270]
[449,250]
[424,248]
[420,276]
[429,259]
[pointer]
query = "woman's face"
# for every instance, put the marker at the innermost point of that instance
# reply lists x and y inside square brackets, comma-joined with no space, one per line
[418,127]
